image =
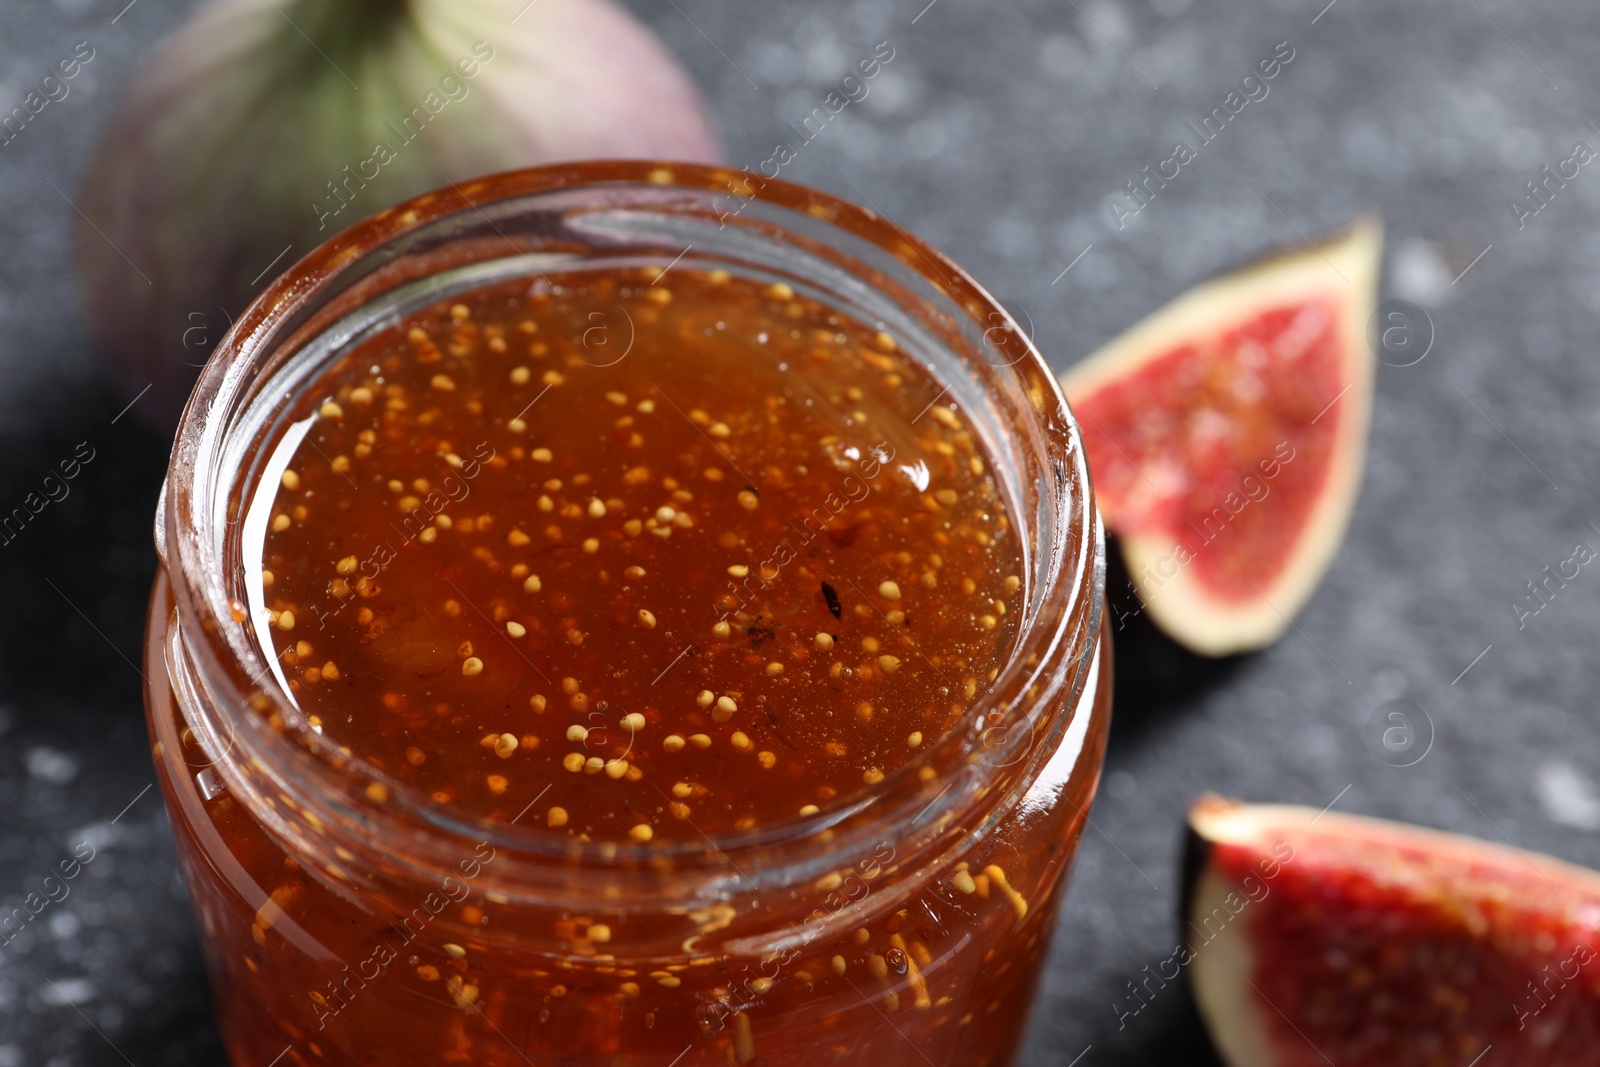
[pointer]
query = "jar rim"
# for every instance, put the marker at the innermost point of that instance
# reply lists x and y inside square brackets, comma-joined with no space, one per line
[187,526]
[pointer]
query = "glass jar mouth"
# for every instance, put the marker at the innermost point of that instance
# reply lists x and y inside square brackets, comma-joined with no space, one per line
[534,213]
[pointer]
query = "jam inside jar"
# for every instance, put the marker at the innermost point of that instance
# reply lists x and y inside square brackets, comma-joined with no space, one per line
[627,613]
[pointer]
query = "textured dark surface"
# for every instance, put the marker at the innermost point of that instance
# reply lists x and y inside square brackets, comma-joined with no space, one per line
[998,131]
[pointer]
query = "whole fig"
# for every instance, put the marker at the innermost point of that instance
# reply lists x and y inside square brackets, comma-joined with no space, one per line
[263,127]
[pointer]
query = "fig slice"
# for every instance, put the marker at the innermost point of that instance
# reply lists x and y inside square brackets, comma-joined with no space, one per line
[1316,938]
[1226,435]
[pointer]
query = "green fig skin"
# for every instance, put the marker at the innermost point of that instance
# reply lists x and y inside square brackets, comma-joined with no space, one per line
[261,128]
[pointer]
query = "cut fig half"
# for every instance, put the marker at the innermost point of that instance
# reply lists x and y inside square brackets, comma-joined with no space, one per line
[1226,436]
[1317,938]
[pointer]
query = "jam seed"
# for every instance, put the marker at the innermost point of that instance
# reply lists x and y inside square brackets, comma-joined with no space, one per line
[744,1042]
[997,878]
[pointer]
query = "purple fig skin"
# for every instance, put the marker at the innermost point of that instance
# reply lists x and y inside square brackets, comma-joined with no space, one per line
[239,147]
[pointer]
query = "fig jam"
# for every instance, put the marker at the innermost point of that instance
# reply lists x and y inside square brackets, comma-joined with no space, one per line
[737,571]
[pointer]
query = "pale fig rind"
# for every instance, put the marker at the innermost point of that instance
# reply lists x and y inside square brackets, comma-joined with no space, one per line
[1344,265]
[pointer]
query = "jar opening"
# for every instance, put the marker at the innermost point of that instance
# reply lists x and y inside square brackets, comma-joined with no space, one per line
[237,434]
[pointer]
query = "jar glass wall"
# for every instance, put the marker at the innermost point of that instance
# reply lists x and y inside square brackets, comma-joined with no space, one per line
[349,920]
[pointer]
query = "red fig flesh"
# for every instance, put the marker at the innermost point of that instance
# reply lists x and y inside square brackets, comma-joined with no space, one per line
[1226,436]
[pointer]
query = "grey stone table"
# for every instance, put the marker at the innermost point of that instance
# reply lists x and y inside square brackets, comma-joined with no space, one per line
[999,131]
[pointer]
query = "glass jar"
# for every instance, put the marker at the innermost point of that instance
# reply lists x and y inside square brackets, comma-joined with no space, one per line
[908,928]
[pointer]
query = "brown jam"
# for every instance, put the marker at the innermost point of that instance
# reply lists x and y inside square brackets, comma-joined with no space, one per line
[659,555]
